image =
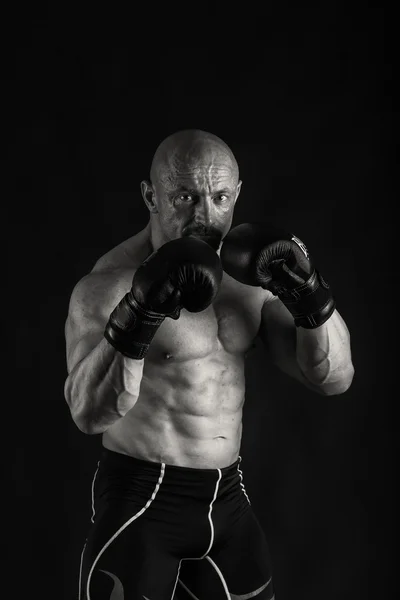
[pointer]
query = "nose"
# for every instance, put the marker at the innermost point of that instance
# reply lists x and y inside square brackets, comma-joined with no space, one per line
[204,210]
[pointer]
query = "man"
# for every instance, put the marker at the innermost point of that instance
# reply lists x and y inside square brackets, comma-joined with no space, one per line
[156,338]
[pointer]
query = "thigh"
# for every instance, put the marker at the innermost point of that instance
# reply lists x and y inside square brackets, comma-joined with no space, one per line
[238,569]
[123,558]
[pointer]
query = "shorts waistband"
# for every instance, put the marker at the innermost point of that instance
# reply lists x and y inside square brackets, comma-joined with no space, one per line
[118,459]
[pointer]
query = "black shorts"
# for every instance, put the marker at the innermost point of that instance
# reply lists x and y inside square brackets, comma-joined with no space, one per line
[160,532]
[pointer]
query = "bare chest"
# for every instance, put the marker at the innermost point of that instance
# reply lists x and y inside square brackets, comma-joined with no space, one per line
[231,323]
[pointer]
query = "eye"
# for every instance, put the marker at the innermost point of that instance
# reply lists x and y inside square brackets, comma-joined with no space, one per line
[222,198]
[185,197]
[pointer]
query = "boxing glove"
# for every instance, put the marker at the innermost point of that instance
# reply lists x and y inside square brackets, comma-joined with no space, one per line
[267,256]
[184,273]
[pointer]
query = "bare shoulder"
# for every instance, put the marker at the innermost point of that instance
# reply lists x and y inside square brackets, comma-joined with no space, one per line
[96,295]
[127,255]
[93,299]
[98,291]
[111,277]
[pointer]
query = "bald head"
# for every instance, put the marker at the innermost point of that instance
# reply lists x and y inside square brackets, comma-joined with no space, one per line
[184,151]
[193,188]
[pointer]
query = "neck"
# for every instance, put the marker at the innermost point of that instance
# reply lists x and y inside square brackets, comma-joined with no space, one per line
[156,237]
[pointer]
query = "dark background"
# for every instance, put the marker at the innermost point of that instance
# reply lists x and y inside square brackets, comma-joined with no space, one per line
[303,95]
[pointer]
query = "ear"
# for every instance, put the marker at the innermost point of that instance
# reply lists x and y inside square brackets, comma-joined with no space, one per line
[148,195]
[239,187]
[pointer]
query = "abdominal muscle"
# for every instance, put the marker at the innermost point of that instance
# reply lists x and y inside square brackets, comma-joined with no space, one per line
[189,413]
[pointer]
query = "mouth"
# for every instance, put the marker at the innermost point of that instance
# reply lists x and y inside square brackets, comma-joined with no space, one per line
[212,240]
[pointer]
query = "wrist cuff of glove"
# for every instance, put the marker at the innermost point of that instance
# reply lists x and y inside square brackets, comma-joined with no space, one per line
[131,328]
[311,304]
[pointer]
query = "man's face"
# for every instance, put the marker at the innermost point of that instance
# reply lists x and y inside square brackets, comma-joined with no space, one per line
[197,199]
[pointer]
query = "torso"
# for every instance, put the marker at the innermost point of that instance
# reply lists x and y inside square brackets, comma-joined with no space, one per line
[189,411]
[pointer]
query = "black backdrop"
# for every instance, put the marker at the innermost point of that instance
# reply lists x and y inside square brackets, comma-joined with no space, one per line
[304,98]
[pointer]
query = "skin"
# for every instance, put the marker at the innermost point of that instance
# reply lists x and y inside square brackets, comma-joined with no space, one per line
[193,188]
[183,403]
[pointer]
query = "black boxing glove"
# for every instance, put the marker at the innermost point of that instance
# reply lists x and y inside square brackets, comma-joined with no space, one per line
[264,255]
[183,273]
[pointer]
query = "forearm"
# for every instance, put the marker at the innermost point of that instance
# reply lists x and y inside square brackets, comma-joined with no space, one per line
[102,388]
[324,356]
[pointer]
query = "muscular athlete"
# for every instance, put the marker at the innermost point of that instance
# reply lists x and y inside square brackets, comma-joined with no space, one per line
[156,336]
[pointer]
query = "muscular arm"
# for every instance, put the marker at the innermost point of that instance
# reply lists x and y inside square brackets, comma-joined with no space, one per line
[102,384]
[319,358]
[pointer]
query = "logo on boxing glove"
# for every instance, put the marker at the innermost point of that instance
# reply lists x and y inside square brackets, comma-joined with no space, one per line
[301,245]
